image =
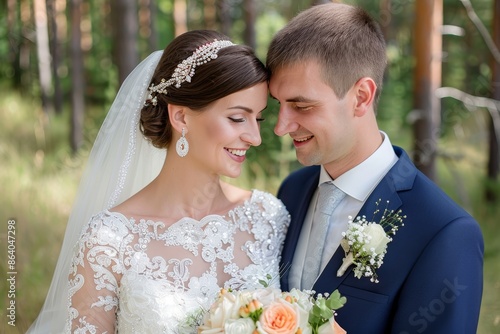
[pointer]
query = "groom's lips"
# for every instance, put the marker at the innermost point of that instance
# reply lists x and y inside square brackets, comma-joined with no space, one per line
[302,140]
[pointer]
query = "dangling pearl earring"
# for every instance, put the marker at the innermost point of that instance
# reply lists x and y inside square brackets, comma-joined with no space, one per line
[182,145]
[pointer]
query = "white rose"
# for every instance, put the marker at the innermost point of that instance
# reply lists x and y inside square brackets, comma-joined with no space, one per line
[303,318]
[302,298]
[379,238]
[239,326]
[266,295]
[207,330]
[226,307]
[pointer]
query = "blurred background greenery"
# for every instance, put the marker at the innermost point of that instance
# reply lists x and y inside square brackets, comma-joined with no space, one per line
[43,146]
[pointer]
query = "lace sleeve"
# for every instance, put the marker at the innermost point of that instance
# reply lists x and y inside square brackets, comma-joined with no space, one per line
[94,277]
[281,217]
[282,221]
[266,219]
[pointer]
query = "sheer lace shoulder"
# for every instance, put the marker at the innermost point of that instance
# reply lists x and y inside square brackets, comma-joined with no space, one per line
[132,275]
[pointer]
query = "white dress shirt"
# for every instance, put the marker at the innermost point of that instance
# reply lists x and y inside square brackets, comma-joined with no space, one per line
[358,183]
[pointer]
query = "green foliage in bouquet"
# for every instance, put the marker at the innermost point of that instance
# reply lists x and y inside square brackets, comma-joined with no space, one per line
[324,308]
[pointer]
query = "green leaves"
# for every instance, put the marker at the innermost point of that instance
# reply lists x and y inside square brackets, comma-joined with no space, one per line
[265,284]
[335,301]
[324,308]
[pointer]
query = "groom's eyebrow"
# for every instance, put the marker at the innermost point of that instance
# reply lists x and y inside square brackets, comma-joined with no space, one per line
[299,98]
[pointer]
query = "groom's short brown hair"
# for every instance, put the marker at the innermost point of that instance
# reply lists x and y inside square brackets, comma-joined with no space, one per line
[345,40]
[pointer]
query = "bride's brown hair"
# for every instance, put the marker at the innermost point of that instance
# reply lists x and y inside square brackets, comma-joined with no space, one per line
[235,68]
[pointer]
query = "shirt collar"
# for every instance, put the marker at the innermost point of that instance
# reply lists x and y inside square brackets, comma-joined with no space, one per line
[360,181]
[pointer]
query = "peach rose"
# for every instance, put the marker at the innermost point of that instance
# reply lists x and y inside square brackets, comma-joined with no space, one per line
[279,317]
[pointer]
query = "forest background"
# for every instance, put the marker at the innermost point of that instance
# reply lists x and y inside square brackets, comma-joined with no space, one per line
[63,61]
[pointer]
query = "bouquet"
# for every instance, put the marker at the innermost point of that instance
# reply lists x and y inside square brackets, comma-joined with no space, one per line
[271,311]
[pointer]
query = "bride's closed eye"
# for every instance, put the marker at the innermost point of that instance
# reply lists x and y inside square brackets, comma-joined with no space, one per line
[237,120]
[241,120]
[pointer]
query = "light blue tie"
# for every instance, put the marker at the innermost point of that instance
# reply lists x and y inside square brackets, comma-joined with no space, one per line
[328,199]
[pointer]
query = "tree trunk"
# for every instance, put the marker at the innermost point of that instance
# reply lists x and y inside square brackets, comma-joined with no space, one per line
[494,149]
[13,33]
[180,17]
[56,51]
[153,35]
[386,19]
[224,14]
[250,15]
[209,13]
[427,76]
[25,45]
[125,23]
[147,29]
[77,78]
[43,54]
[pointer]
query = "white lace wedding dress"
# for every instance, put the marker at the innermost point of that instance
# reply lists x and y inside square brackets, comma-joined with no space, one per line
[141,276]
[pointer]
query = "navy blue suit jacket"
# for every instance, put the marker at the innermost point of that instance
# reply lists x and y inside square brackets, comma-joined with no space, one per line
[431,280]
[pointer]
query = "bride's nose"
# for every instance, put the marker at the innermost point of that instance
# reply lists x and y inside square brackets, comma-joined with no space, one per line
[252,135]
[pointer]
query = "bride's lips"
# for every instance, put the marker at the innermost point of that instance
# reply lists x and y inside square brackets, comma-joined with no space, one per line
[236,154]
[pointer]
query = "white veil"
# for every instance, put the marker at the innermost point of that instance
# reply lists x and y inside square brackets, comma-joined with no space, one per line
[121,163]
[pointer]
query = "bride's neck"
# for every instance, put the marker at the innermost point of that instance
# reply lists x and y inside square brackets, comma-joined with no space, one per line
[181,190]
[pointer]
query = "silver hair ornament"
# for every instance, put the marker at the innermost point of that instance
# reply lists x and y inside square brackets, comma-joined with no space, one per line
[185,70]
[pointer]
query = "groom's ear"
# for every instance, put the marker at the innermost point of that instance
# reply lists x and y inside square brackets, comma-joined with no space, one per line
[177,116]
[364,91]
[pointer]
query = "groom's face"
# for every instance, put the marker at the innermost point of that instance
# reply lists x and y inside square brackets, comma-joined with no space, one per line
[320,124]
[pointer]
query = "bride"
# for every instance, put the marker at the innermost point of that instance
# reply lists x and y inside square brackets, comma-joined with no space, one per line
[153,237]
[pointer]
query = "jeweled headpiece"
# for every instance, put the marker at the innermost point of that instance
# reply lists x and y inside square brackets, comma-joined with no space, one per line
[184,72]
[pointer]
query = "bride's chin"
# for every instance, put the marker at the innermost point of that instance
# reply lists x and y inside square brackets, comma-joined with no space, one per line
[232,173]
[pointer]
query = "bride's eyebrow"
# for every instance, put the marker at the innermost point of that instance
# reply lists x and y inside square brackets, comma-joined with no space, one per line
[248,110]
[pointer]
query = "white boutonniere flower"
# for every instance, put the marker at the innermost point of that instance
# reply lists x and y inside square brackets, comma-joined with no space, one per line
[365,242]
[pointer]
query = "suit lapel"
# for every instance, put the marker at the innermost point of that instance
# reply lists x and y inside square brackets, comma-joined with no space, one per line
[400,177]
[298,211]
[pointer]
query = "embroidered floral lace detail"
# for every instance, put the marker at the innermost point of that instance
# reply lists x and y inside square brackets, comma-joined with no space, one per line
[142,276]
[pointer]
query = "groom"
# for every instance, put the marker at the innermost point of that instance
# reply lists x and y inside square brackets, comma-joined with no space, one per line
[327,69]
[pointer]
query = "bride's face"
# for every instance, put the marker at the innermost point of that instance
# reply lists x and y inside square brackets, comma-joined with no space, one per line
[220,136]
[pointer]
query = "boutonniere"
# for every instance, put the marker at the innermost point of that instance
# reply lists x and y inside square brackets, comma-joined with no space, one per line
[365,242]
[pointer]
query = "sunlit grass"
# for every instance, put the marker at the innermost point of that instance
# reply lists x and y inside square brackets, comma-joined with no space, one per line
[39,176]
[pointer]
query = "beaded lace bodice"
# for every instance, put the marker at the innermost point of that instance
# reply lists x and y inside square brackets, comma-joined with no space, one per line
[142,276]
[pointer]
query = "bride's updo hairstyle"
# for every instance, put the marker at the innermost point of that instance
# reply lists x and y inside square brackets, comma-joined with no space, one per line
[235,68]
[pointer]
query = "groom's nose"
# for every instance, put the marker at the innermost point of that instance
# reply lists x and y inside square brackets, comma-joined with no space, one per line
[286,123]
